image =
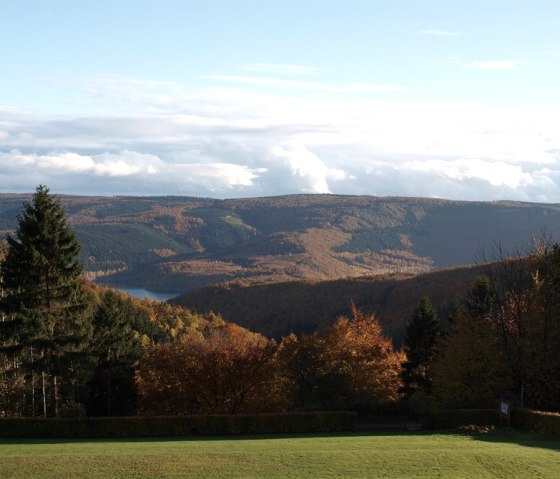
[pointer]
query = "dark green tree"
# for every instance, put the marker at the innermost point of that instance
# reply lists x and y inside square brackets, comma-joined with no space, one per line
[471,369]
[422,338]
[46,322]
[480,298]
[115,348]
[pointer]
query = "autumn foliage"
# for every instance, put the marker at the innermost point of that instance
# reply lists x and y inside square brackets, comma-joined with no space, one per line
[220,370]
[365,357]
[225,369]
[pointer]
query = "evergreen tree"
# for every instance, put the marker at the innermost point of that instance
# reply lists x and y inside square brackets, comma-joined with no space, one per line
[46,324]
[423,333]
[115,348]
[471,369]
[481,297]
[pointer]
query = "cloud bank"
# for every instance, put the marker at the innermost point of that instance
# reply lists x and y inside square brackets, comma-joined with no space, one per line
[234,136]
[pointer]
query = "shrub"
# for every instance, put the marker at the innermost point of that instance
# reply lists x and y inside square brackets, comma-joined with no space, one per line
[455,418]
[423,404]
[72,409]
[537,421]
[150,426]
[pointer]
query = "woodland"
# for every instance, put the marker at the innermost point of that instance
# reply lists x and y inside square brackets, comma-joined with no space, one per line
[69,347]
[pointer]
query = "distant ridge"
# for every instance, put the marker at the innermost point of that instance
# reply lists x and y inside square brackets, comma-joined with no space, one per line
[179,244]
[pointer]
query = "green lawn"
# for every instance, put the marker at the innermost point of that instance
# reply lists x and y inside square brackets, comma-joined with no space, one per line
[388,455]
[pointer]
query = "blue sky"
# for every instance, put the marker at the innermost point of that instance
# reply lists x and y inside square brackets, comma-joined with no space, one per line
[445,98]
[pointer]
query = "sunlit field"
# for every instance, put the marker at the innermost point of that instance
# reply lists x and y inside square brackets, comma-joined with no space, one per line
[420,455]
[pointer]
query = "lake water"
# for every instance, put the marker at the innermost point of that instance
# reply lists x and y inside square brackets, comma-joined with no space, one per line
[144,293]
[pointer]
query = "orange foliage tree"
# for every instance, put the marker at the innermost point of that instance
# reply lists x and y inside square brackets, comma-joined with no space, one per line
[360,351]
[352,365]
[222,369]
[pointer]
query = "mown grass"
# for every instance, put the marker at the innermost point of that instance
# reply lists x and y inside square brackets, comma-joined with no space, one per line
[422,455]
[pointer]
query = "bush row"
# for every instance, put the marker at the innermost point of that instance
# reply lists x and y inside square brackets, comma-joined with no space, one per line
[454,418]
[139,426]
[537,421]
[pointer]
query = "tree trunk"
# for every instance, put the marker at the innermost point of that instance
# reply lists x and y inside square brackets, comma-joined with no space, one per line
[55,387]
[44,388]
[32,386]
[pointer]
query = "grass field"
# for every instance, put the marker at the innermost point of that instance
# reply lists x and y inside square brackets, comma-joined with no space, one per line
[511,455]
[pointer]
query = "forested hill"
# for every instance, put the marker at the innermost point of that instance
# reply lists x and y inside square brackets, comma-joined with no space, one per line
[279,309]
[182,244]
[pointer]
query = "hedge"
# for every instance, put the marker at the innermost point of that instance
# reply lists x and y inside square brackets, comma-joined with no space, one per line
[454,418]
[537,421]
[139,426]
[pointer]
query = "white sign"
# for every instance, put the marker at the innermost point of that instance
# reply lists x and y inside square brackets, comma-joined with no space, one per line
[504,408]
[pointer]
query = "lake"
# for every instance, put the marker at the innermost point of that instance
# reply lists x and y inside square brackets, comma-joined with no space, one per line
[144,293]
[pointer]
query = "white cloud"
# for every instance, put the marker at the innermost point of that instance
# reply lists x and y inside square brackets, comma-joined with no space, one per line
[496,173]
[67,166]
[493,65]
[440,33]
[126,163]
[215,175]
[308,167]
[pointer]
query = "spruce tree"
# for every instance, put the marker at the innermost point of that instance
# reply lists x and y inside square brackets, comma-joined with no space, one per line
[46,324]
[471,368]
[423,333]
[114,349]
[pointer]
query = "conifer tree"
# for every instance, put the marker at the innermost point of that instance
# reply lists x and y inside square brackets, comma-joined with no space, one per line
[471,368]
[115,348]
[421,345]
[46,323]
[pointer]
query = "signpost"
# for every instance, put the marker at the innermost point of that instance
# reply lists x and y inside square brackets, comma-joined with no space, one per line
[505,411]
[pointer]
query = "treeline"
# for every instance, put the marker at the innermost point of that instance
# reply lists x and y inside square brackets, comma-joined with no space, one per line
[228,370]
[505,336]
[70,348]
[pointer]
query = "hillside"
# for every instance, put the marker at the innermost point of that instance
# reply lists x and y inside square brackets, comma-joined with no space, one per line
[278,309]
[179,244]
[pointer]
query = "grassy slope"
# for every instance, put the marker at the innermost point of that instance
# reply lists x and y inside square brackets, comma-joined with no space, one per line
[420,455]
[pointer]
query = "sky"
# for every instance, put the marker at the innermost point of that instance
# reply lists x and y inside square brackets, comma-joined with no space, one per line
[453,99]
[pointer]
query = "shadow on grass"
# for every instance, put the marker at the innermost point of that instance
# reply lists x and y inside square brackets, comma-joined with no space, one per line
[520,438]
[502,435]
[204,438]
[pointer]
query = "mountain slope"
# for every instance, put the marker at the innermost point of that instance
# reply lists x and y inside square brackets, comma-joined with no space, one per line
[179,244]
[303,306]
